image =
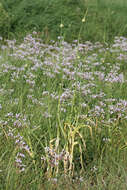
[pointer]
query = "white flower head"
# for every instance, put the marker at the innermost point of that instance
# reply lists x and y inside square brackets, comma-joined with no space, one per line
[61,25]
[84,19]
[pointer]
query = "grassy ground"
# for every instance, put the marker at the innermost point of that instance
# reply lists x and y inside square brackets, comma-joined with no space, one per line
[63,115]
[63,106]
[103,19]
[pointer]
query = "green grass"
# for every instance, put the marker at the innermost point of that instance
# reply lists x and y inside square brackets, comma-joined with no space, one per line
[104,19]
[63,115]
[63,105]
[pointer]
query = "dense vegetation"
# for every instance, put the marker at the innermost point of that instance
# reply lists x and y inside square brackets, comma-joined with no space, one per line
[103,18]
[63,95]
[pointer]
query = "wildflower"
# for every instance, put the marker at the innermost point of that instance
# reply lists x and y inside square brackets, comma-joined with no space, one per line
[54,180]
[84,19]
[61,25]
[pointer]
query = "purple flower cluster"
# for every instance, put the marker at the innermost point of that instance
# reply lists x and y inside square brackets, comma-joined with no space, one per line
[21,147]
[54,158]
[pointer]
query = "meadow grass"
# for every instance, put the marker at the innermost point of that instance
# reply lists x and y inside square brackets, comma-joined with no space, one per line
[63,114]
[63,104]
[104,19]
